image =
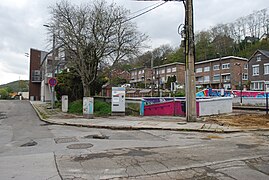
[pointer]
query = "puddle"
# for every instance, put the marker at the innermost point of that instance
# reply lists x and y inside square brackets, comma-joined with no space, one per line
[80,146]
[28,144]
[247,146]
[97,136]
[65,140]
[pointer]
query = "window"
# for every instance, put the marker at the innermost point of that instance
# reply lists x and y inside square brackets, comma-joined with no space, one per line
[226,77]
[266,68]
[142,71]
[245,66]
[226,66]
[199,79]
[255,70]
[168,70]
[257,86]
[259,57]
[174,69]
[198,70]
[206,79]
[162,80]
[245,76]
[216,77]
[162,71]
[206,69]
[216,67]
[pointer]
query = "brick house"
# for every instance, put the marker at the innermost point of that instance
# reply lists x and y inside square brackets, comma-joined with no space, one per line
[223,72]
[162,73]
[35,77]
[258,68]
[147,75]
[141,75]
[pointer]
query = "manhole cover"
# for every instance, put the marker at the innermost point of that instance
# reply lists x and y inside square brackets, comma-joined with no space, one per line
[79,146]
[30,143]
[97,136]
[65,140]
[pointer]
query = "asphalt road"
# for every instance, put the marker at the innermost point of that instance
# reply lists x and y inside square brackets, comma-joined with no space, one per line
[31,149]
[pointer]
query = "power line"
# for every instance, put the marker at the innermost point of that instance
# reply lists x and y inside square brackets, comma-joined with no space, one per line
[144,8]
[144,12]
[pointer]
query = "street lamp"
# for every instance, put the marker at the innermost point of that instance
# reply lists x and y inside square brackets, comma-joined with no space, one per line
[163,59]
[220,77]
[52,64]
[241,82]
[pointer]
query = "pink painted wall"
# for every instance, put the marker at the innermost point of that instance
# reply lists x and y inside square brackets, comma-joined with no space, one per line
[170,108]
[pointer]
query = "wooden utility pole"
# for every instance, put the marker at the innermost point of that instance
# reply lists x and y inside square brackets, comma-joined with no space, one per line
[190,84]
[190,88]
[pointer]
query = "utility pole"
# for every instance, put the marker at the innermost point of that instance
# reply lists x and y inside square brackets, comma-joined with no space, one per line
[190,88]
[152,82]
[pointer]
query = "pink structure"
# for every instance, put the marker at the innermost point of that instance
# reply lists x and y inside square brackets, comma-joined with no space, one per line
[168,108]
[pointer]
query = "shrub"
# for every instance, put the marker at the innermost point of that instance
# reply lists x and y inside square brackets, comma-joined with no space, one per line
[102,108]
[76,107]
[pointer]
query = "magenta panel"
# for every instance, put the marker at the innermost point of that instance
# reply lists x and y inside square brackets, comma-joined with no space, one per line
[171,108]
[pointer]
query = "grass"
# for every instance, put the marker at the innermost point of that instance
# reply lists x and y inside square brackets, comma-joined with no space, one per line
[100,108]
[43,115]
[76,107]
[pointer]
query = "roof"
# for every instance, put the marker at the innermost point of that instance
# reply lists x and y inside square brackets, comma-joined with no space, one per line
[170,64]
[264,52]
[222,58]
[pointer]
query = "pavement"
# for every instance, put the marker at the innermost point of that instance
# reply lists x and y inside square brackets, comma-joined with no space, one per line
[174,123]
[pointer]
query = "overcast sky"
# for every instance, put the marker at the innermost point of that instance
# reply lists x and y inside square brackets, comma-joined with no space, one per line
[21,26]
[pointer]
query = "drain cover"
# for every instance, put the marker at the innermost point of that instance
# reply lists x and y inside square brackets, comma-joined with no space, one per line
[65,140]
[79,146]
[30,143]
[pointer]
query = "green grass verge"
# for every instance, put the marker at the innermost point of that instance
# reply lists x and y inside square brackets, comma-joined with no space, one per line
[100,108]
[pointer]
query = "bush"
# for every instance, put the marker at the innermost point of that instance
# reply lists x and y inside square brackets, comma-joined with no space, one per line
[133,109]
[76,107]
[3,94]
[102,108]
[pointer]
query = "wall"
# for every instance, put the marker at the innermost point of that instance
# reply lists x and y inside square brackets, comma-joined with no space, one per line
[253,101]
[215,106]
[45,92]
[165,106]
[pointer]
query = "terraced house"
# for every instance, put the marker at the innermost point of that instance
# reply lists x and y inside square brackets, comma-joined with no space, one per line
[227,72]
[258,68]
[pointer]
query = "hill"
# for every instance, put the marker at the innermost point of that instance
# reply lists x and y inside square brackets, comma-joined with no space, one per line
[17,86]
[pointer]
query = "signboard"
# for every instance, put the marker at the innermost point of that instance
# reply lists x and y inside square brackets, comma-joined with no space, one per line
[52,82]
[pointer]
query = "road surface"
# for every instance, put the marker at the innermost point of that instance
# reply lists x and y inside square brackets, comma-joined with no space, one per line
[32,149]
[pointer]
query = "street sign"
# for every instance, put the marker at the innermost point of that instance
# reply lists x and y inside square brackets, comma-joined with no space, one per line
[52,82]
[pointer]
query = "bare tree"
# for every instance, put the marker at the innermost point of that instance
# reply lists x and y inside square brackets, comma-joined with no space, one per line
[92,34]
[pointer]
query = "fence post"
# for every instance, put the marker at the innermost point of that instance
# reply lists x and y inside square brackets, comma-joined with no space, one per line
[142,106]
